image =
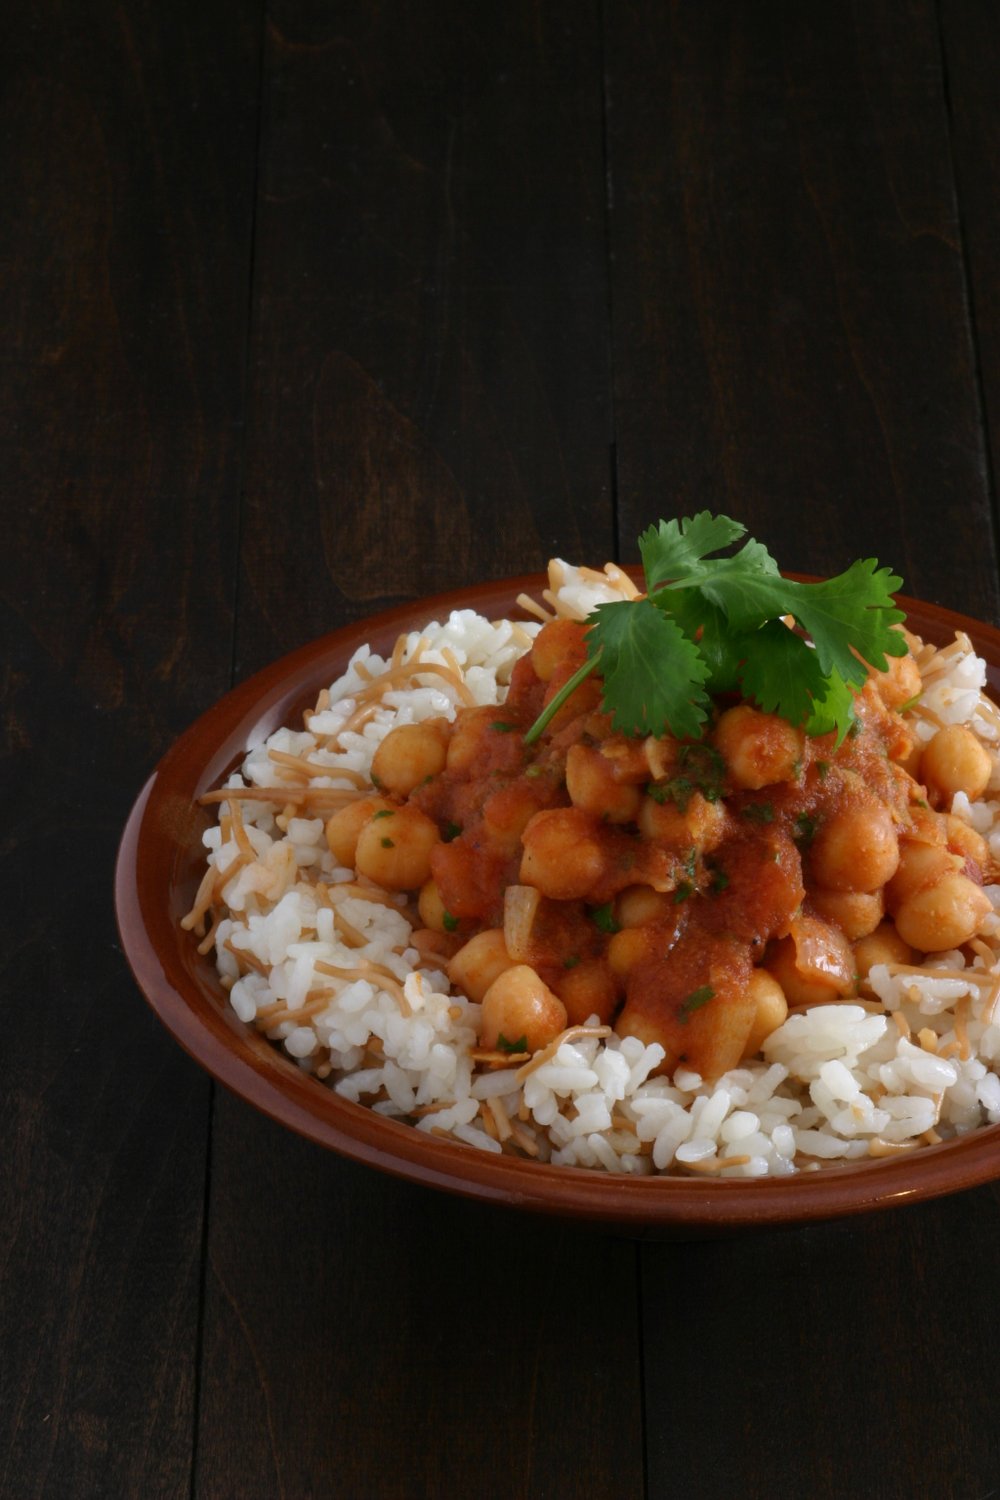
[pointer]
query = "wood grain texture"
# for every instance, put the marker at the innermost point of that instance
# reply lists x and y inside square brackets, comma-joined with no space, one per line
[969,36]
[430,404]
[368,1338]
[791,333]
[815,1363]
[431,333]
[793,344]
[125,169]
[406,277]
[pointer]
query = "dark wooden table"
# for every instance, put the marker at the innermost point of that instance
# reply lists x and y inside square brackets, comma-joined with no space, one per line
[312,307]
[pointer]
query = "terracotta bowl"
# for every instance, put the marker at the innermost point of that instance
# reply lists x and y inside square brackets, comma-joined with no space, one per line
[158,871]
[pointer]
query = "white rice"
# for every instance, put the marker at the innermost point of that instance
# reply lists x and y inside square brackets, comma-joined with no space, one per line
[835,1083]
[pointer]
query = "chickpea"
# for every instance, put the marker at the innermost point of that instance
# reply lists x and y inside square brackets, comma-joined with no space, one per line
[759,749]
[592,785]
[955,761]
[639,904]
[589,988]
[395,851]
[628,948]
[478,963]
[856,913]
[343,827]
[562,855]
[434,947]
[857,849]
[908,757]
[814,965]
[920,866]
[507,813]
[468,735]
[899,682]
[883,946]
[639,761]
[557,643]
[771,1010]
[943,915]
[702,824]
[410,754]
[433,912]
[519,1004]
[966,841]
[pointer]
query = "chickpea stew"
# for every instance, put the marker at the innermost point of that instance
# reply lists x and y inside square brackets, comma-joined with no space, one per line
[751,950]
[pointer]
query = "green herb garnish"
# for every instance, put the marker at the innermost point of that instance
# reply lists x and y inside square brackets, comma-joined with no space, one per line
[388,844]
[683,891]
[710,624]
[695,1001]
[572,961]
[758,812]
[805,830]
[450,831]
[702,770]
[604,918]
[521,1045]
[383,812]
[503,728]
[448,922]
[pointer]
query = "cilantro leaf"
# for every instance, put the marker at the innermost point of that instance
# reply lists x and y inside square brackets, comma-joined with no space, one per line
[673,547]
[653,673]
[747,589]
[833,709]
[712,624]
[854,610]
[781,673]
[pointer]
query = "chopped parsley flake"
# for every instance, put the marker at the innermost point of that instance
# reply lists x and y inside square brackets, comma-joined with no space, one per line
[604,918]
[759,812]
[521,1045]
[805,830]
[695,1001]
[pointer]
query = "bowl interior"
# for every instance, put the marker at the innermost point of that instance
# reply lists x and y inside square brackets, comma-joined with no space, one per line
[159,869]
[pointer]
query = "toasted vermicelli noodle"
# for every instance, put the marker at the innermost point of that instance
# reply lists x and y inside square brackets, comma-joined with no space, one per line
[324,962]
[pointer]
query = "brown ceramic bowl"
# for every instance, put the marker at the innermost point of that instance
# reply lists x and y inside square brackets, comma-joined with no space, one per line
[158,872]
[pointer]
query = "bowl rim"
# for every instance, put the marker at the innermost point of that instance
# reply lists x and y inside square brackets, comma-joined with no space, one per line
[159,850]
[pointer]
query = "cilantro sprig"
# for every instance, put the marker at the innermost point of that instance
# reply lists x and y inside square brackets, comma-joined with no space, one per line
[711,624]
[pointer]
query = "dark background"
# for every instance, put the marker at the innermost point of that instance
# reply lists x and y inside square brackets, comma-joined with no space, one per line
[308,307]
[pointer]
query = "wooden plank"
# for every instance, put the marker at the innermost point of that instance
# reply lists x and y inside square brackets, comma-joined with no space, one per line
[124,237]
[969,40]
[430,305]
[791,335]
[845,1359]
[430,406]
[792,345]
